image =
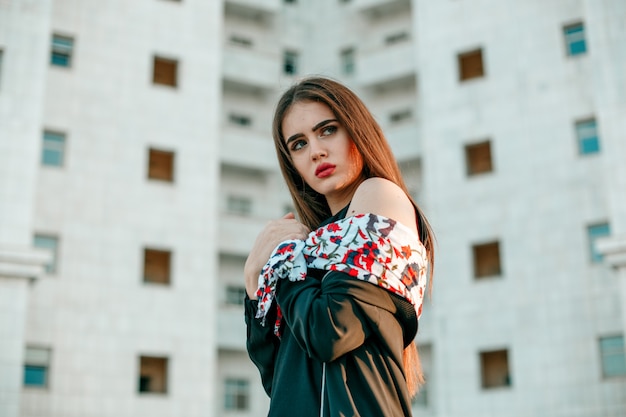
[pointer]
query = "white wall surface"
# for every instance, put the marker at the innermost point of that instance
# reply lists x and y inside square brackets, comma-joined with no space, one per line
[105,210]
[551,304]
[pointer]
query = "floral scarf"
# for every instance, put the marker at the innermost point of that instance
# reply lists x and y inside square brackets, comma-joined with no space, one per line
[368,247]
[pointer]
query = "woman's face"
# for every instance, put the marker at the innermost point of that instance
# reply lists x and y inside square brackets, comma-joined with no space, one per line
[322,152]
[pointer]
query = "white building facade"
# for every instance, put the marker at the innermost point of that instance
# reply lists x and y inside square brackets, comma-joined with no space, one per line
[135,151]
[521,284]
[110,143]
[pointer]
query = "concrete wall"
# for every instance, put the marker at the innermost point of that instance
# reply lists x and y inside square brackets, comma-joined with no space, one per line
[95,313]
[24,43]
[551,304]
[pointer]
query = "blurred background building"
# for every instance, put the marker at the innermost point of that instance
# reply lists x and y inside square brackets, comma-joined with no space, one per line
[136,168]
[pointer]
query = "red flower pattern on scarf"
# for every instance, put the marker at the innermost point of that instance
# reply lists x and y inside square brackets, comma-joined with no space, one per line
[366,246]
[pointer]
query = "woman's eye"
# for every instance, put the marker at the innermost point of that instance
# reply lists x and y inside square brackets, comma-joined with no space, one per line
[328,130]
[298,144]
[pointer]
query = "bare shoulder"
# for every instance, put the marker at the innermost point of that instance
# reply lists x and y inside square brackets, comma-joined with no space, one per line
[383,197]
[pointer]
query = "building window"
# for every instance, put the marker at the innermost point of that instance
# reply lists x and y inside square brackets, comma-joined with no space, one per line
[241,41]
[471,65]
[235,294]
[401,116]
[36,367]
[165,71]
[53,149]
[587,136]
[290,61]
[50,243]
[348,64]
[478,158]
[236,394]
[396,38]
[61,51]
[487,260]
[160,165]
[613,356]
[240,119]
[595,232]
[494,367]
[575,39]
[152,375]
[157,266]
[241,205]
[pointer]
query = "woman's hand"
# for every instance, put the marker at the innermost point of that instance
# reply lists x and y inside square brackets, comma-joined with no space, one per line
[276,231]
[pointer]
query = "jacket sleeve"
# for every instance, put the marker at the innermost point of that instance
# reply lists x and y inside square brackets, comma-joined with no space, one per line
[334,316]
[261,342]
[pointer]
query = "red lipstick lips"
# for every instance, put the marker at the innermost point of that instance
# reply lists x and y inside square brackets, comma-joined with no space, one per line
[324,170]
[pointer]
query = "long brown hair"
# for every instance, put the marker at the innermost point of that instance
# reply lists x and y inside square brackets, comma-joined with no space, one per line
[378,161]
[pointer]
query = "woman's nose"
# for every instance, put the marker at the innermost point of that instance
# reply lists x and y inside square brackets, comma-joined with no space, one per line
[317,150]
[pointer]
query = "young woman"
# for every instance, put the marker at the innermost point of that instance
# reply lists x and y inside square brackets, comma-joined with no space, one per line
[333,298]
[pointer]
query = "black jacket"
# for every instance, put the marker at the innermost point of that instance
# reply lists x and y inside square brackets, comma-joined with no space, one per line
[340,332]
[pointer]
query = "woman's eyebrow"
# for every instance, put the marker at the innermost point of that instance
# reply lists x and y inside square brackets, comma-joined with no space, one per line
[322,123]
[317,126]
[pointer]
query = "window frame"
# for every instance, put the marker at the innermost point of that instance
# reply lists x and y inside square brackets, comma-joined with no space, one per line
[241,41]
[168,277]
[141,368]
[158,60]
[236,388]
[582,140]
[477,275]
[290,62]
[464,61]
[156,159]
[240,120]
[396,38]
[234,295]
[403,115]
[44,363]
[60,49]
[473,168]
[239,205]
[53,267]
[48,147]
[603,355]
[485,383]
[347,57]
[567,38]
[595,257]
